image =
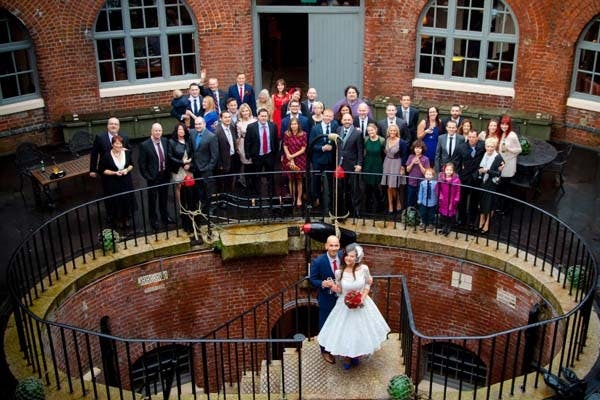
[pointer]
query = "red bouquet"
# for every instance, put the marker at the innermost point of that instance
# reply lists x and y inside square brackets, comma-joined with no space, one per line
[353,299]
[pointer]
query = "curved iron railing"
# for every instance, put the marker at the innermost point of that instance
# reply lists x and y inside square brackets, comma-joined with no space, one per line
[71,238]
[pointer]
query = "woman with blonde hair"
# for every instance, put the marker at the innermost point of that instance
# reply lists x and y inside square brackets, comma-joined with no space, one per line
[263,100]
[210,113]
[244,119]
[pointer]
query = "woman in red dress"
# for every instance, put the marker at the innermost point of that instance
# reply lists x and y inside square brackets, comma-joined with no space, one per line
[280,97]
[294,147]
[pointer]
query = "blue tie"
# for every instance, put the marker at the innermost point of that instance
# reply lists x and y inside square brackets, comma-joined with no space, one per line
[198,140]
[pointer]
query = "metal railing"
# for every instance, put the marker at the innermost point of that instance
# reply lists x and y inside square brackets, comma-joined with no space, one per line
[218,361]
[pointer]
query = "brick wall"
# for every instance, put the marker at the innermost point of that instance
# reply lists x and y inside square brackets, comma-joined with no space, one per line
[202,293]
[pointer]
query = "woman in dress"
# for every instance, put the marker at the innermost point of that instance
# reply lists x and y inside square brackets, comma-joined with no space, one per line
[245,118]
[264,101]
[466,127]
[180,152]
[116,167]
[415,167]
[491,131]
[429,130]
[489,174]
[353,332]
[280,98]
[509,149]
[294,147]
[373,167]
[344,109]
[210,113]
[393,168]
[317,115]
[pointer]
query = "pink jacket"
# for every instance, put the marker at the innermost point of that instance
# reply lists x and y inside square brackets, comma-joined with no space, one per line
[448,192]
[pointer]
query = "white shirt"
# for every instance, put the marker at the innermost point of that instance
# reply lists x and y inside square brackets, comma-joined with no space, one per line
[229,138]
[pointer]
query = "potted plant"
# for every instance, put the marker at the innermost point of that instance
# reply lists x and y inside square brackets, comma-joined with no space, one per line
[30,388]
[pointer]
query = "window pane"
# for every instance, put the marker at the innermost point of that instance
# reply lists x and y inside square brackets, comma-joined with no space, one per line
[174,44]
[155,67]
[7,64]
[9,86]
[139,47]
[26,84]
[141,69]
[186,18]
[189,44]
[120,71]
[136,16]
[102,22]
[151,17]
[583,83]
[592,34]
[115,20]
[104,52]
[176,65]
[586,60]
[106,72]
[189,63]
[22,60]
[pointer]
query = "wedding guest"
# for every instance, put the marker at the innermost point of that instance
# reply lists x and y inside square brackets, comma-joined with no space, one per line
[429,130]
[427,200]
[179,152]
[344,109]
[245,118]
[489,174]
[353,332]
[393,169]
[448,192]
[373,168]
[279,99]
[466,127]
[415,167]
[294,148]
[210,115]
[263,100]
[351,99]
[509,149]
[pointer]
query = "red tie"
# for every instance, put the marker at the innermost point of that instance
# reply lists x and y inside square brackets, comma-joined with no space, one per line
[265,140]
[241,94]
[334,265]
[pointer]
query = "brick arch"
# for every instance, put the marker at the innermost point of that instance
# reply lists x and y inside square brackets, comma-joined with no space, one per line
[585,14]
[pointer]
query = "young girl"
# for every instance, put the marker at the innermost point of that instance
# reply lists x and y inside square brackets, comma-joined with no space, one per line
[448,191]
[427,200]
[415,166]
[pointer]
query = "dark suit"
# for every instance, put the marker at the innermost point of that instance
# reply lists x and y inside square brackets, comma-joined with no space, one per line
[356,123]
[199,112]
[149,169]
[445,121]
[285,124]
[204,161]
[441,152]
[249,96]
[222,105]
[467,172]
[261,162]
[179,106]
[350,154]
[413,122]
[320,270]
[321,160]
[305,108]
[404,131]
[228,163]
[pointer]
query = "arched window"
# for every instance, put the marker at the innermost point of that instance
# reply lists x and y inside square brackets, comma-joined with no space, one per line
[467,40]
[18,74]
[142,41]
[586,71]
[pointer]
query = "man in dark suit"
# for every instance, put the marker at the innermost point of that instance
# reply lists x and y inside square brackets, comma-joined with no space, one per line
[218,95]
[362,119]
[242,92]
[195,99]
[229,159]
[204,160]
[446,147]
[154,169]
[410,115]
[455,115]
[392,119]
[322,154]
[103,143]
[470,154]
[311,97]
[262,148]
[294,107]
[322,276]
[350,153]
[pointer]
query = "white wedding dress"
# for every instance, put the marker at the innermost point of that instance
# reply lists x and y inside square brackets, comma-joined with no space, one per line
[353,332]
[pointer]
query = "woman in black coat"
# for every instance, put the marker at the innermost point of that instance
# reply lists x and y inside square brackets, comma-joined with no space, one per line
[179,152]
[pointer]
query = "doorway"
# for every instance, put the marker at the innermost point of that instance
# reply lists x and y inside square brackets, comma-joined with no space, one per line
[284,49]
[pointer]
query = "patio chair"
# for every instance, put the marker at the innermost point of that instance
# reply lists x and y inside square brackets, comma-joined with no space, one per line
[80,142]
[527,182]
[27,157]
[557,166]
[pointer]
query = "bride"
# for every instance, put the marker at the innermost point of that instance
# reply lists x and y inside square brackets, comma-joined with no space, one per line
[353,332]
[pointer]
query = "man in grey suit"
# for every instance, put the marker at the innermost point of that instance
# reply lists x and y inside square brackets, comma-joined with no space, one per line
[204,159]
[447,146]
[229,159]
[350,157]
[392,119]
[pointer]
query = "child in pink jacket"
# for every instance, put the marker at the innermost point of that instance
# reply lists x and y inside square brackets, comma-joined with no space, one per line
[448,192]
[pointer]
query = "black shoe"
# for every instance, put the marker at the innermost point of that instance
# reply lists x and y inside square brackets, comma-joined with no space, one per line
[169,221]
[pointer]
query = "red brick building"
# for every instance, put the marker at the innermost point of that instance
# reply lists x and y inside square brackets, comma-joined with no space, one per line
[67,57]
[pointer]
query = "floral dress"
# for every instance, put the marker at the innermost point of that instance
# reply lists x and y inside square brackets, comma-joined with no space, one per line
[295,143]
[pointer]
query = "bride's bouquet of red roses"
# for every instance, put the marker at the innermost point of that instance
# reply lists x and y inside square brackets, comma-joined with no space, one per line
[353,299]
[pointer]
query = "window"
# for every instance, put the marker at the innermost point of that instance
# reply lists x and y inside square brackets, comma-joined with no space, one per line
[142,41]
[467,40]
[447,362]
[586,72]
[18,75]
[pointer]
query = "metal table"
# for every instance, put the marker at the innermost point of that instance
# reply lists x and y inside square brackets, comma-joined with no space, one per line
[41,180]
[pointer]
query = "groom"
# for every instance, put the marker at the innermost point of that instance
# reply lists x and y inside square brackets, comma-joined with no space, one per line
[324,267]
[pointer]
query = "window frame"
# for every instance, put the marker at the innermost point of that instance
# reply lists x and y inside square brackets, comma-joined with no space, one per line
[128,34]
[451,34]
[10,47]
[584,45]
